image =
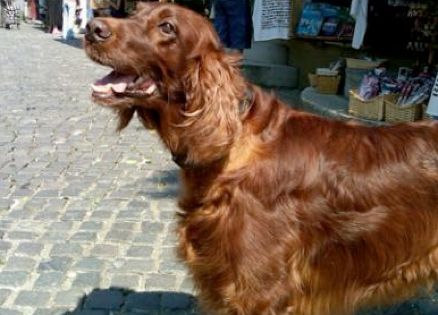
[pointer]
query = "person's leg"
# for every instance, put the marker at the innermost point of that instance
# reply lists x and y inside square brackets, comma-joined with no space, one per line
[84,13]
[71,20]
[66,8]
[221,22]
[240,23]
[64,19]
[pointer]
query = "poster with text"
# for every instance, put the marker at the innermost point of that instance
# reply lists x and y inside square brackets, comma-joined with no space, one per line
[271,19]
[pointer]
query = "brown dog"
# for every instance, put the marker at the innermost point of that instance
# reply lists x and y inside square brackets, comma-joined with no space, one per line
[282,211]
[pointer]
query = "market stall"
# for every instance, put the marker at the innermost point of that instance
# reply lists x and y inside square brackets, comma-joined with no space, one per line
[386,63]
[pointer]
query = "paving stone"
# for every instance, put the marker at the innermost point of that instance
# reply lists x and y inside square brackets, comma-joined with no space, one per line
[130,215]
[132,265]
[20,214]
[4,294]
[22,235]
[5,246]
[125,281]
[101,215]
[55,236]
[152,227]
[69,298]
[35,204]
[4,203]
[32,298]
[5,311]
[47,193]
[66,250]
[47,215]
[52,280]
[170,240]
[140,251]
[84,236]
[29,249]
[119,235]
[74,215]
[19,263]
[160,281]
[87,279]
[55,204]
[61,225]
[187,285]
[105,250]
[13,278]
[55,264]
[89,264]
[171,266]
[91,225]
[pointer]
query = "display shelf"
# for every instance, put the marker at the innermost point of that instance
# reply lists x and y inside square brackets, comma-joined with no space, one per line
[326,38]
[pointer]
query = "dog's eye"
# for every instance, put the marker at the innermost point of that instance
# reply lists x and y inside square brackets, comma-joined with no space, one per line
[167,28]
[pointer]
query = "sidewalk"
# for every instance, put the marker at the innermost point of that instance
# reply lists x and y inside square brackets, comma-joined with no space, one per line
[82,208]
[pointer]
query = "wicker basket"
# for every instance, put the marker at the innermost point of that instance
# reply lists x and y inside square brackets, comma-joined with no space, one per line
[363,64]
[425,116]
[396,113]
[371,109]
[325,84]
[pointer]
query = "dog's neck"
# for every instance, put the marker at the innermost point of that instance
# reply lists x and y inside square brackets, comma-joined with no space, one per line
[245,104]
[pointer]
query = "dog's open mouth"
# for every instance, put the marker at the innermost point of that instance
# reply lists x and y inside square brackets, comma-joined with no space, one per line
[118,84]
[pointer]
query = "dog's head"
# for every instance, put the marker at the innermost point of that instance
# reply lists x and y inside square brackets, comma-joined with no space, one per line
[168,66]
[150,53]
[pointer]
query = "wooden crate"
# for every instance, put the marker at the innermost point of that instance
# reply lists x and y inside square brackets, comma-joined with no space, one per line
[325,84]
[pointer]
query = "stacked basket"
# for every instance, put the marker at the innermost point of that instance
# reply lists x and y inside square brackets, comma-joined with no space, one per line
[396,113]
[373,109]
[384,107]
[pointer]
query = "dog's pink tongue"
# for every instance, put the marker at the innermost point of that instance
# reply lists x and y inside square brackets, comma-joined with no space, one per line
[113,81]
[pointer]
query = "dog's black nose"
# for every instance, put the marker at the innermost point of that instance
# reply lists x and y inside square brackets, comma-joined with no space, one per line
[97,30]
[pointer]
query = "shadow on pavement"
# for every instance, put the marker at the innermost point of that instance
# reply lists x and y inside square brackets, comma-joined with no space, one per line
[163,185]
[119,301]
[74,42]
[427,305]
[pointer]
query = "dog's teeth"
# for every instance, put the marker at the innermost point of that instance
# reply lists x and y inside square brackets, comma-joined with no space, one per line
[101,88]
[151,89]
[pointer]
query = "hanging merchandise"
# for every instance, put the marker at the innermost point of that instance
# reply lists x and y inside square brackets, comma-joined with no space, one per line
[359,10]
[311,20]
[325,20]
[424,26]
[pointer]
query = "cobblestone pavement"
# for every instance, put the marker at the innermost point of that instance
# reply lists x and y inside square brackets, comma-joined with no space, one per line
[81,207]
[84,210]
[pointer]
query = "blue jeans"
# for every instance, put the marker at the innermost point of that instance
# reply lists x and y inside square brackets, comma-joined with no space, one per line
[233,22]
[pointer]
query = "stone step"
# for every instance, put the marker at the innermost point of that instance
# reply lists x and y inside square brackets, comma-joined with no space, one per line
[270,75]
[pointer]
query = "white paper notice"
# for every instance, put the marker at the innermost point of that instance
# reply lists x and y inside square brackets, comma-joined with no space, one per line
[271,19]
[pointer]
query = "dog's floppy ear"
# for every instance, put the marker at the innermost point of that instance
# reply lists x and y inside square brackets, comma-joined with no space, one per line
[200,40]
[125,116]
